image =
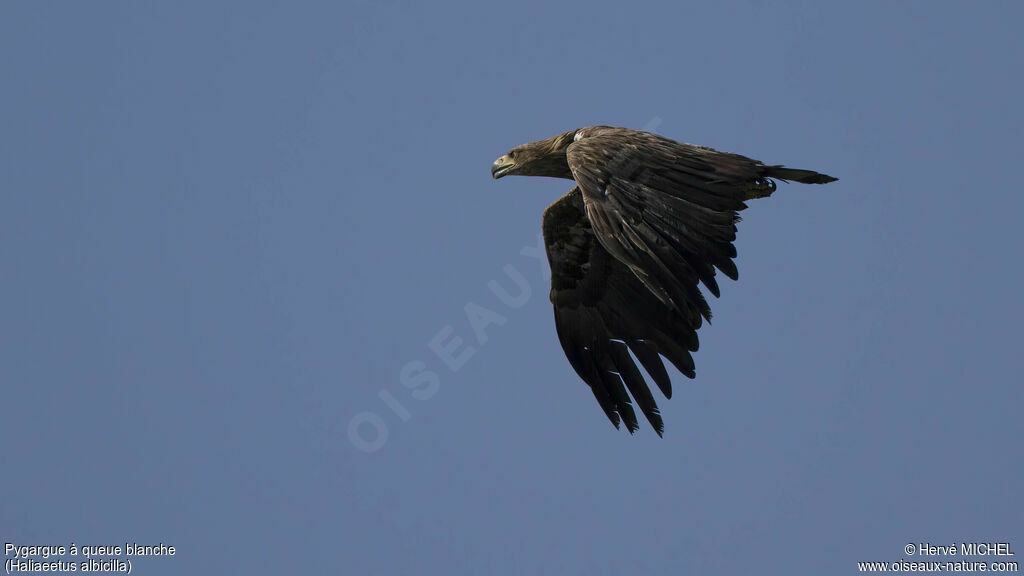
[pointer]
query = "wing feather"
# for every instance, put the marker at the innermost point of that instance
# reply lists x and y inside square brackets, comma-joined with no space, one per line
[603,310]
[666,210]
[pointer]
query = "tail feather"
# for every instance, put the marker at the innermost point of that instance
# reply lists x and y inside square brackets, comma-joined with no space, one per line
[797,175]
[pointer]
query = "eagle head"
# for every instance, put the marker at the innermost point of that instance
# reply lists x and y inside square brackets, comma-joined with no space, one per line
[543,158]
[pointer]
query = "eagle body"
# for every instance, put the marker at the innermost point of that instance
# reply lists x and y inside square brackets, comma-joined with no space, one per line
[649,220]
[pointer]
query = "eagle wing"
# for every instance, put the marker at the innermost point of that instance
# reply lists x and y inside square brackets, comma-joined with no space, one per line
[603,311]
[666,210]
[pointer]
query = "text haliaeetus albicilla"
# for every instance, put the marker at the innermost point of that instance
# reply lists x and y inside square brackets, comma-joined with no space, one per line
[648,219]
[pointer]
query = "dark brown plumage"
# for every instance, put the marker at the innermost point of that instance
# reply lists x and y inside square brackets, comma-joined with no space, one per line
[649,219]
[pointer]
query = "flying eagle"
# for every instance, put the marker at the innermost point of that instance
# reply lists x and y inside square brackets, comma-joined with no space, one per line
[648,219]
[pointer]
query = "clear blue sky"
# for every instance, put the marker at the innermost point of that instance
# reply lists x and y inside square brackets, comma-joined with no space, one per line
[226,229]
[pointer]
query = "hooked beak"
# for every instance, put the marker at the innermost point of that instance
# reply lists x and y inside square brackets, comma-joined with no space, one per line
[502,166]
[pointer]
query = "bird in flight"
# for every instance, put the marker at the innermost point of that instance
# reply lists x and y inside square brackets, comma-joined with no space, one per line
[648,220]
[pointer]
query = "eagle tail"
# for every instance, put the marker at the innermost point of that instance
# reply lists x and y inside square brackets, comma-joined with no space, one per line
[797,175]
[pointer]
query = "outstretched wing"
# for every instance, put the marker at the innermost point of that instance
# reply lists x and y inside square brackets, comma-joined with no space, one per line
[603,311]
[666,210]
